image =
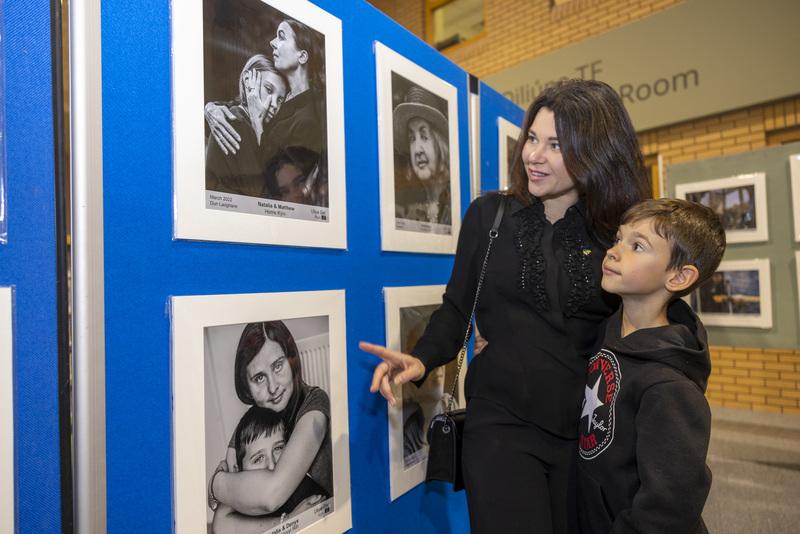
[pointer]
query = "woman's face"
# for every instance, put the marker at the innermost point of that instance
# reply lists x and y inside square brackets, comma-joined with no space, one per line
[424,157]
[548,178]
[290,181]
[273,91]
[285,54]
[269,377]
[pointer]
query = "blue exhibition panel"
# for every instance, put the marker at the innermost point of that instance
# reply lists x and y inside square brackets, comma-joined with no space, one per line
[28,263]
[492,106]
[144,266]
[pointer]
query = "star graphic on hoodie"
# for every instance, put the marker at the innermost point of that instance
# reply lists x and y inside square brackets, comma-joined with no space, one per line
[591,402]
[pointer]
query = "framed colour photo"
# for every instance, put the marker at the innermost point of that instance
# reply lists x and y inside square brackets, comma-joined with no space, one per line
[507,136]
[6,411]
[270,373]
[418,153]
[258,125]
[794,172]
[408,310]
[740,201]
[739,293]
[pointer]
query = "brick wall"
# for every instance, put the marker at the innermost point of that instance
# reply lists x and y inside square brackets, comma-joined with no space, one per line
[409,13]
[518,30]
[720,135]
[755,379]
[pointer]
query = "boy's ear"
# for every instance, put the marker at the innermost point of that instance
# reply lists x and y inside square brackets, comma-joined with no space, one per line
[682,278]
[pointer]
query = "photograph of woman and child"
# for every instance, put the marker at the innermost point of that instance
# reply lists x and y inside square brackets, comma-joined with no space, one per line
[264,88]
[268,431]
[421,159]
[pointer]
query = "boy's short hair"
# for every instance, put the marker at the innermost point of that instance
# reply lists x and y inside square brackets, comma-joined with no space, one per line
[255,422]
[694,232]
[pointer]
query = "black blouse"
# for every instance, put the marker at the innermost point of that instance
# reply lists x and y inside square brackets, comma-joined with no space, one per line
[540,309]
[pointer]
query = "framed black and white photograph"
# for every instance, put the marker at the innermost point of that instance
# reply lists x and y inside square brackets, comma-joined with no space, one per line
[408,310]
[507,136]
[260,429]
[794,171]
[6,412]
[740,201]
[739,293]
[258,125]
[418,153]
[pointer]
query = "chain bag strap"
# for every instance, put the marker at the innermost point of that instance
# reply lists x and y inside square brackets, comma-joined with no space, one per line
[462,354]
[445,432]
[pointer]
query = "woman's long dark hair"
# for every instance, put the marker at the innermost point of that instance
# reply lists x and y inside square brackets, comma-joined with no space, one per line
[314,44]
[600,148]
[253,338]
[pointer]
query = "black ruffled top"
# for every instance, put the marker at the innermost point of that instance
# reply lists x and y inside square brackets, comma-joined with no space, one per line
[540,308]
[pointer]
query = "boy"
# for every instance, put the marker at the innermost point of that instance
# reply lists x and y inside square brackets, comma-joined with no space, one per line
[645,423]
[259,440]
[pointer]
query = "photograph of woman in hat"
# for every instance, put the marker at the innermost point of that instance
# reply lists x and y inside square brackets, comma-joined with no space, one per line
[422,155]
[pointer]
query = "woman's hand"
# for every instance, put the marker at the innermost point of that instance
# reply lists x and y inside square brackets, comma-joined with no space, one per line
[212,500]
[257,101]
[230,459]
[480,343]
[396,366]
[224,134]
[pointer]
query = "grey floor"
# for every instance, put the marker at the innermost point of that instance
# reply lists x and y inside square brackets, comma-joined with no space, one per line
[755,462]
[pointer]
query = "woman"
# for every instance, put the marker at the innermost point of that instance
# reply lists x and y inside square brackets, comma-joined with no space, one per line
[422,192]
[577,168]
[262,90]
[268,374]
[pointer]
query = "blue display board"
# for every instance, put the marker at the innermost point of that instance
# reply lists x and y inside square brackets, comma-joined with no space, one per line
[28,263]
[493,105]
[144,266]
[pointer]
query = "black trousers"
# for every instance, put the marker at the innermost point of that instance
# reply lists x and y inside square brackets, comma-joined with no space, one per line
[518,477]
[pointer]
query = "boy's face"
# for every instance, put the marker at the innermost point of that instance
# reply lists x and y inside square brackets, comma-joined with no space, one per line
[637,263]
[264,451]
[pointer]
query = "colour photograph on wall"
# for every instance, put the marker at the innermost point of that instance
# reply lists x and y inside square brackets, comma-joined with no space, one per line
[737,294]
[507,135]
[6,412]
[418,146]
[740,201]
[408,310]
[268,90]
[275,413]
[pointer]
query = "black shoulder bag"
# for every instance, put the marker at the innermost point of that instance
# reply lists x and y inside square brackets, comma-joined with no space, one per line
[445,433]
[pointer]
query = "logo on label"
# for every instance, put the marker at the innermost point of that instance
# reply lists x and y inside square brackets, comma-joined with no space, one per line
[596,426]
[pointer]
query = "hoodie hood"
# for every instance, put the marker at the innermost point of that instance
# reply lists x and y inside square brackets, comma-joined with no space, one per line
[682,344]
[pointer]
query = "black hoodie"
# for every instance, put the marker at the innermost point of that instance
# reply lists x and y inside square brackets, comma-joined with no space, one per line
[644,429]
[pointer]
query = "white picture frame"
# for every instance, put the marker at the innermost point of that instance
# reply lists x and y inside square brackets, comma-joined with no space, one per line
[418,225]
[507,136]
[208,215]
[738,294]
[6,411]
[745,222]
[407,424]
[192,318]
[794,172]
